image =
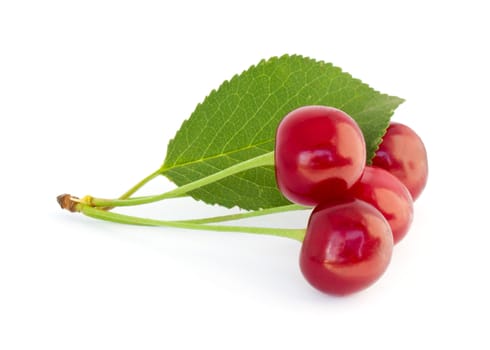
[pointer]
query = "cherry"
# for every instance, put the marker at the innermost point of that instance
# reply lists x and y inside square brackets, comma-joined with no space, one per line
[387,194]
[403,154]
[320,152]
[347,247]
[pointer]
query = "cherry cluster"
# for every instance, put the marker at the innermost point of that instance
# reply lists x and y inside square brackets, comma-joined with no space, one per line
[360,211]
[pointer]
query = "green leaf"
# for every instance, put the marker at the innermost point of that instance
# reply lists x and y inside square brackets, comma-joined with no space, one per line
[238,122]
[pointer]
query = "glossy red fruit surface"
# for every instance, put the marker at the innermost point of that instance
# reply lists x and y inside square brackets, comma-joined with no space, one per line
[403,154]
[386,193]
[319,153]
[347,247]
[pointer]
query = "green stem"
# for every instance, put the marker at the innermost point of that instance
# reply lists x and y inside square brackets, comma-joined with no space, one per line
[263,160]
[249,214]
[297,234]
[140,184]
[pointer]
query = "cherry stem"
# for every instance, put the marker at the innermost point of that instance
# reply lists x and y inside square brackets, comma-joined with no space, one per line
[248,214]
[296,234]
[99,208]
[266,159]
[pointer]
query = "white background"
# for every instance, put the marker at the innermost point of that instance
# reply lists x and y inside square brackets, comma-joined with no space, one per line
[90,94]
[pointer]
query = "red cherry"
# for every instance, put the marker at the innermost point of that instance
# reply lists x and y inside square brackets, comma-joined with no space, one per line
[403,154]
[387,194]
[320,152]
[347,247]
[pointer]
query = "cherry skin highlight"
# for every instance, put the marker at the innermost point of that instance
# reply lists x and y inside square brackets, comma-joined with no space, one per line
[347,247]
[403,154]
[387,194]
[319,153]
